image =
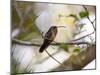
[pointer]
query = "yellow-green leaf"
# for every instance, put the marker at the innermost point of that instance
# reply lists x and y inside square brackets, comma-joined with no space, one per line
[64,46]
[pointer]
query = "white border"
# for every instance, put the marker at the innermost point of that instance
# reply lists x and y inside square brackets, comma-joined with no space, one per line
[5,37]
[93,2]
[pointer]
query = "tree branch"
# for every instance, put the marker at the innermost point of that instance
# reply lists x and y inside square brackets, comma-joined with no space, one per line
[27,43]
[89,18]
[83,36]
[79,61]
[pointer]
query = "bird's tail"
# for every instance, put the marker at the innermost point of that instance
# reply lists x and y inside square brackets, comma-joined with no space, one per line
[41,49]
[44,45]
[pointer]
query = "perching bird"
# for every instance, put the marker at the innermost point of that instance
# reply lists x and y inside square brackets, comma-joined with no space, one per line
[57,15]
[48,38]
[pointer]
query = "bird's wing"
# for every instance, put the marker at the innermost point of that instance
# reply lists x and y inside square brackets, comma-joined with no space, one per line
[45,44]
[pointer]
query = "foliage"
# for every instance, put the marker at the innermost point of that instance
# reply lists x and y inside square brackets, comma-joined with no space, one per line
[64,46]
[83,14]
[23,18]
[75,16]
[77,49]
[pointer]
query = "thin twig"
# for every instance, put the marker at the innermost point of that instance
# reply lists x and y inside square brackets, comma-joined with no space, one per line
[27,43]
[89,18]
[55,59]
[94,20]
[51,55]
[83,36]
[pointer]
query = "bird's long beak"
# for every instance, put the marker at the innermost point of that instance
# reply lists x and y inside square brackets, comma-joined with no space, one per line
[61,26]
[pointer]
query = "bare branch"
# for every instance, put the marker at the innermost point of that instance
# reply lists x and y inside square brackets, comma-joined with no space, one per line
[49,57]
[54,59]
[79,61]
[89,18]
[27,43]
[94,20]
[83,36]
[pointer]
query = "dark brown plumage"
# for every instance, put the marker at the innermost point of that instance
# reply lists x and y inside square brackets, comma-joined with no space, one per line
[48,38]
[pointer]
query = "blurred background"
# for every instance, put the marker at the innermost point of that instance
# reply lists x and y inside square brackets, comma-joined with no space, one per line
[74,46]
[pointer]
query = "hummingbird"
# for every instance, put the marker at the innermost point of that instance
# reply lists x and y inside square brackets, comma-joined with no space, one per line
[49,37]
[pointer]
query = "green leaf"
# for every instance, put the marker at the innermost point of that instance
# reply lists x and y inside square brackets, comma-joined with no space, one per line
[83,14]
[77,49]
[64,46]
